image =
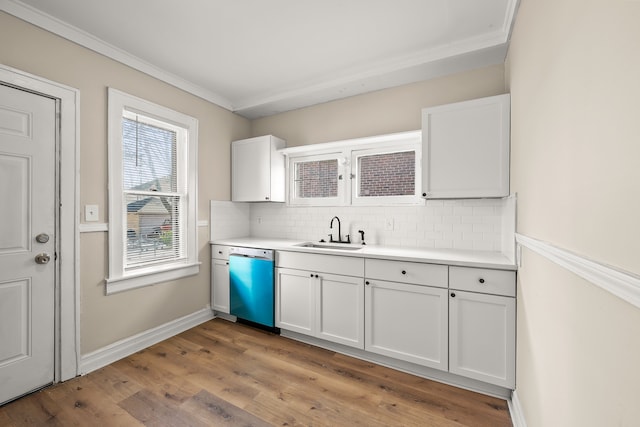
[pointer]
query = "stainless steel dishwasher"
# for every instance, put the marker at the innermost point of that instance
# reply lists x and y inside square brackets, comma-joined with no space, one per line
[251,286]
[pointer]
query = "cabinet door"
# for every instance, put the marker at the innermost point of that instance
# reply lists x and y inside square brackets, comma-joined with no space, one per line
[340,309]
[466,149]
[482,339]
[251,170]
[407,322]
[220,285]
[257,170]
[295,301]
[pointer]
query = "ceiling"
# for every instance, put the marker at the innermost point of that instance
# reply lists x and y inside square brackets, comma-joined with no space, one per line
[262,57]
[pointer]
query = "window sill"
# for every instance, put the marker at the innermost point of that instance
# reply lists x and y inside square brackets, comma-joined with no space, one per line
[148,278]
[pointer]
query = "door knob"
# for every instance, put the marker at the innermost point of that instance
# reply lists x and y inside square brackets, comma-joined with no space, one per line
[43,258]
[42,238]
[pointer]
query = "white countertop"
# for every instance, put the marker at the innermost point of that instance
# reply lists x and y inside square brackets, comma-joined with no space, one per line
[481,259]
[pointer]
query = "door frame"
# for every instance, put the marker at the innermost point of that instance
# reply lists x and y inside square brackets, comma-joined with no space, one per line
[67,277]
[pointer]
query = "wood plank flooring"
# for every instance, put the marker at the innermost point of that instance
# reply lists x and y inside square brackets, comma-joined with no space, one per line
[227,374]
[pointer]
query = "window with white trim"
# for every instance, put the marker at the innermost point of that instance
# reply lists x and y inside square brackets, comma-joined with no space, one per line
[152,193]
[382,170]
[384,176]
[315,180]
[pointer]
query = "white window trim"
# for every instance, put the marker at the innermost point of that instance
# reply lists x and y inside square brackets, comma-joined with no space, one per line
[120,279]
[339,200]
[413,199]
[345,151]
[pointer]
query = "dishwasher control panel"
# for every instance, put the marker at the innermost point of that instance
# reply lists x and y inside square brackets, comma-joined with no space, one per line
[252,252]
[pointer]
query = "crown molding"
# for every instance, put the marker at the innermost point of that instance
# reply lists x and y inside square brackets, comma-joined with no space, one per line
[82,38]
[475,52]
[428,63]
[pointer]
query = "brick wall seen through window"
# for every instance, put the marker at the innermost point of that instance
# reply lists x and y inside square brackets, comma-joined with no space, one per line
[317,179]
[389,174]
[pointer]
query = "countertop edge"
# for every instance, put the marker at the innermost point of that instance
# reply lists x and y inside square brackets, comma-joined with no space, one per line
[452,257]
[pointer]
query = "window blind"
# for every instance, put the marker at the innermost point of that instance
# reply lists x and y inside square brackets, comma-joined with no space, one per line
[153,192]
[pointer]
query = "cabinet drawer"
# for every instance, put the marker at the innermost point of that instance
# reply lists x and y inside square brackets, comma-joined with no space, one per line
[220,252]
[407,272]
[497,282]
[347,266]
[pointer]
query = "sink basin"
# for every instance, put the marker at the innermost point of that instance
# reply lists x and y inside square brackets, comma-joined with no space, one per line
[334,246]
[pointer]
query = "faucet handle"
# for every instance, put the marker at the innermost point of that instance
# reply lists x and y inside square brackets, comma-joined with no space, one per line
[362,236]
[330,237]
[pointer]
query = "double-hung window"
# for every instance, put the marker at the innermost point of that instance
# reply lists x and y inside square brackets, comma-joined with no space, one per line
[152,193]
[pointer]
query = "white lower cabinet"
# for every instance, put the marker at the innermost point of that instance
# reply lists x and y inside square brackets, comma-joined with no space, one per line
[340,309]
[220,279]
[327,306]
[295,301]
[451,318]
[407,322]
[482,326]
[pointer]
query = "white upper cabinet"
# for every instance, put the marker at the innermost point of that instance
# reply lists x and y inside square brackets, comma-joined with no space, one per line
[466,149]
[257,170]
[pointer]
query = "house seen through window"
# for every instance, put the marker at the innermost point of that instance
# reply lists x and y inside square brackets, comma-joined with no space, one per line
[152,196]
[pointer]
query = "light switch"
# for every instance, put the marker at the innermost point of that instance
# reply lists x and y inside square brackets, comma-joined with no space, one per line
[91,213]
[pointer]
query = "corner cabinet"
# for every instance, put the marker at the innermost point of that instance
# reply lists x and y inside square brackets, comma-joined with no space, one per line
[257,170]
[465,149]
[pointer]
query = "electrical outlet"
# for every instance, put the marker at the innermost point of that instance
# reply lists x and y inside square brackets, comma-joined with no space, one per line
[388,224]
[91,213]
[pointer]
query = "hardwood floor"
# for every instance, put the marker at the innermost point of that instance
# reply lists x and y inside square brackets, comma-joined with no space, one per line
[227,374]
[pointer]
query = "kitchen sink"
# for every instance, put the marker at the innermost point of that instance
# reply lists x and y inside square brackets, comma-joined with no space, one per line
[334,246]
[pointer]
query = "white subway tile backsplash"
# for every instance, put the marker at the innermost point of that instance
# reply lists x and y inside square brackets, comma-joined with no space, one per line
[463,244]
[482,227]
[462,224]
[484,210]
[443,227]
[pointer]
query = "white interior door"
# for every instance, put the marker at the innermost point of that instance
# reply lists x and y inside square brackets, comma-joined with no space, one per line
[27,241]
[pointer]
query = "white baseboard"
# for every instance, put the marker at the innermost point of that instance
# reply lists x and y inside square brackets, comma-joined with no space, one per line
[126,347]
[515,409]
[400,365]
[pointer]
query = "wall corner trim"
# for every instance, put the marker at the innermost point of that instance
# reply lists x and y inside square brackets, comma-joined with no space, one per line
[620,283]
[113,352]
[515,409]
